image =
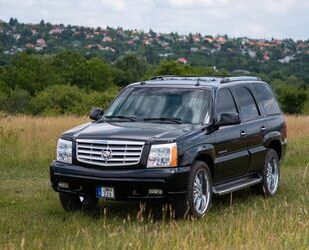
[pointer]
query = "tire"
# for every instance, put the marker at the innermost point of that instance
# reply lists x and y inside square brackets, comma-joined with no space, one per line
[199,192]
[270,174]
[72,202]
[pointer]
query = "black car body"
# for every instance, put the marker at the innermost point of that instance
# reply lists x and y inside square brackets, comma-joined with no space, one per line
[243,127]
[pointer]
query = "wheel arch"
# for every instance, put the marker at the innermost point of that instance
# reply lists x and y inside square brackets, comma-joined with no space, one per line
[276,145]
[208,160]
[202,152]
[273,140]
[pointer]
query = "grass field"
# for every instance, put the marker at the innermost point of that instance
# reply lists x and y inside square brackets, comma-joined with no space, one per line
[31,216]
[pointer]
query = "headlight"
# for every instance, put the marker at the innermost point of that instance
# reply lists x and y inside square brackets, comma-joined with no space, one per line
[64,151]
[162,155]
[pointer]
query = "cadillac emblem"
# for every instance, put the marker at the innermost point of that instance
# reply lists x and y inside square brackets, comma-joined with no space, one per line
[106,153]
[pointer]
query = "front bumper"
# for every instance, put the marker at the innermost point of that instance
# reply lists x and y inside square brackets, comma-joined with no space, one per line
[129,184]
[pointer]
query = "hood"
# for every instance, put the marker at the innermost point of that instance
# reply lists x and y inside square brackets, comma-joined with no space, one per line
[129,131]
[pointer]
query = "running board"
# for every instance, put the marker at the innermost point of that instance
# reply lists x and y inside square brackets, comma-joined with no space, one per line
[235,185]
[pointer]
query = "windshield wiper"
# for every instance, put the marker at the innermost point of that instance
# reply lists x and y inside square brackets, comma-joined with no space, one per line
[174,120]
[131,118]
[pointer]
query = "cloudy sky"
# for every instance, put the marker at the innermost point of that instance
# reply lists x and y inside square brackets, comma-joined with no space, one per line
[252,18]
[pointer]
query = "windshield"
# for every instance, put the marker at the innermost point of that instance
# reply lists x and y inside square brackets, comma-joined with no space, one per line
[154,104]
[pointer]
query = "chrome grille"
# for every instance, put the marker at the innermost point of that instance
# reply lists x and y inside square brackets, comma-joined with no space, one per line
[123,153]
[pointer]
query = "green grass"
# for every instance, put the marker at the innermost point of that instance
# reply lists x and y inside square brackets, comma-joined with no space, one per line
[31,216]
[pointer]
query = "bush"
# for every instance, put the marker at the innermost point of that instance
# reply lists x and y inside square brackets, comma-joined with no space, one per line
[14,101]
[58,99]
[65,99]
[292,99]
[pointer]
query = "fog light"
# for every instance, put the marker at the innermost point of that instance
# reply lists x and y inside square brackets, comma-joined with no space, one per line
[155,191]
[63,185]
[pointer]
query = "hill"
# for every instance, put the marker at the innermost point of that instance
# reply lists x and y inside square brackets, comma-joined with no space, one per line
[110,43]
[39,60]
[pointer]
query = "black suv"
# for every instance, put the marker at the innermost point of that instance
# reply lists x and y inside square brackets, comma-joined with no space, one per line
[175,139]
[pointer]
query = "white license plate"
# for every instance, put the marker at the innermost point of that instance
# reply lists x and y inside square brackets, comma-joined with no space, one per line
[105,192]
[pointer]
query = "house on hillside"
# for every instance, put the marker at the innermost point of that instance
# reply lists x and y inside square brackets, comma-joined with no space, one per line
[38,48]
[16,36]
[165,54]
[194,49]
[29,46]
[266,56]
[110,49]
[208,39]
[220,39]
[130,42]
[286,59]
[182,60]
[107,39]
[196,38]
[55,31]
[41,42]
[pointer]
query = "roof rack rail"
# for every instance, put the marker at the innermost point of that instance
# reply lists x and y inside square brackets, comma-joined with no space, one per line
[161,77]
[240,78]
[185,77]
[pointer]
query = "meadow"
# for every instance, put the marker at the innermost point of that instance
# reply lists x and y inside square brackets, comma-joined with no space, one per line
[31,216]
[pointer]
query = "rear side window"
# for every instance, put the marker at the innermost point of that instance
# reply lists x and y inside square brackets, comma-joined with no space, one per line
[247,104]
[266,98]
[225,102]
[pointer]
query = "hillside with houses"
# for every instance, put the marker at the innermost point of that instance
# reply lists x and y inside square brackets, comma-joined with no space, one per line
[110,43]
[42,64]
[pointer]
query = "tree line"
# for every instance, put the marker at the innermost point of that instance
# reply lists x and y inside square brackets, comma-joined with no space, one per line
[71,83]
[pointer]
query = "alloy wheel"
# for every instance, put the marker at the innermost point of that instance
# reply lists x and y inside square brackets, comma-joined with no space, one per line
[201,191]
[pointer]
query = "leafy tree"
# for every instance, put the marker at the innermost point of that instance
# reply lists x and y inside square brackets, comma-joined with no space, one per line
[13,22]
[71,67]
[98,75]
[31,73]
[174,68]
[133,67]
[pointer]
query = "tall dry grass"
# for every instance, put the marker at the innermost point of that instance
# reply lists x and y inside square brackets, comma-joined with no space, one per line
[298,126]
[32,218]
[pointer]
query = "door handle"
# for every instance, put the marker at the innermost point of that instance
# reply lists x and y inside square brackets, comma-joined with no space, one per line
[263,129]
[243,133]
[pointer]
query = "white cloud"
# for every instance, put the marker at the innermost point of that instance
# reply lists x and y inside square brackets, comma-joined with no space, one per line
[254,18]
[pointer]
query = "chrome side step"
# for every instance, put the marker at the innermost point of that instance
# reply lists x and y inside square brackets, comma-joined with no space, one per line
[235,185]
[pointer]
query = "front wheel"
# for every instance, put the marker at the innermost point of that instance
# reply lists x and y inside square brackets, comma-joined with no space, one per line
[199,192]
[73,202]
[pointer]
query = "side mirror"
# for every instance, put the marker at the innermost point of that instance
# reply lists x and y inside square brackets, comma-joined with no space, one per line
[96,113]
[226,119]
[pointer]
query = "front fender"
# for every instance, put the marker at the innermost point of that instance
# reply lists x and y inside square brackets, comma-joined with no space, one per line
[197,151]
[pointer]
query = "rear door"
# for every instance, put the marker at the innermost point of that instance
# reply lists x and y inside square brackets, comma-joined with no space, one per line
[231,146]
[254,123]
[270,110]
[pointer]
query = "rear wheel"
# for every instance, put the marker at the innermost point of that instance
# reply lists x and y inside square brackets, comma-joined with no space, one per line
[73,202]
[199,192]
[270,174]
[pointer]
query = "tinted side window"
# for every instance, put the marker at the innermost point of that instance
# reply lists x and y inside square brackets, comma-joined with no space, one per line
[247,104]
[225,102]
[266,98]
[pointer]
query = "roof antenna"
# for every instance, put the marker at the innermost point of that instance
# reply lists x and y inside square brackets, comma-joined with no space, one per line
[198,82]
